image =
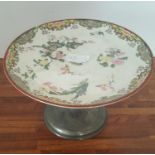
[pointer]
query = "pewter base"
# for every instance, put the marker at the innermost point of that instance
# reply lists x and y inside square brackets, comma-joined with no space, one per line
[75,123]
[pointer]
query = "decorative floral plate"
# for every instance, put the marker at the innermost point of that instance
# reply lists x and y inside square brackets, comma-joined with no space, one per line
[78,63]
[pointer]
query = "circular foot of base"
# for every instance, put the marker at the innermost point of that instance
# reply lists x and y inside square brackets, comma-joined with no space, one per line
[75,123]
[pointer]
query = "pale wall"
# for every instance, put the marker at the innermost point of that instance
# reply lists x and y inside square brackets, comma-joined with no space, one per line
[16,17]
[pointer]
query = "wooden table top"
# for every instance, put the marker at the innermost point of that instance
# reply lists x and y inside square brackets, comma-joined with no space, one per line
[130,127]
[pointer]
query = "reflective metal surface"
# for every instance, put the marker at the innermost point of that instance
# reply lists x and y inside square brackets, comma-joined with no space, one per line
[75,123]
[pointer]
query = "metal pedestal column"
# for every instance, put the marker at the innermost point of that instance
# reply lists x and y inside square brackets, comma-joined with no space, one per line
[75,123]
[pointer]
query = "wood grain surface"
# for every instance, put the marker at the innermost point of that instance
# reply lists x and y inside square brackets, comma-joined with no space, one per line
[130,127]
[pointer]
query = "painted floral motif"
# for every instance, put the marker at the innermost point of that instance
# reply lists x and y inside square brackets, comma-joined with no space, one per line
[58,55]
[105,86]
[27,37]
[16,70]
[51,51]
[143,53]
[58,25]
[29,73]
[90,24]
[67,82]
[98,33]
[124,33]
[140,77]
[79,90]
[43,62]
[113,57]
[65,70]
[50,88]
[21,83]
[12,57]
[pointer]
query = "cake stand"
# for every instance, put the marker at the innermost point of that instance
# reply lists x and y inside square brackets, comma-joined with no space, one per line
[77,67]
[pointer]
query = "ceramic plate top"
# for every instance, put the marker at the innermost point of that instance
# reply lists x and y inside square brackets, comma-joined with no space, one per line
[78,63]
